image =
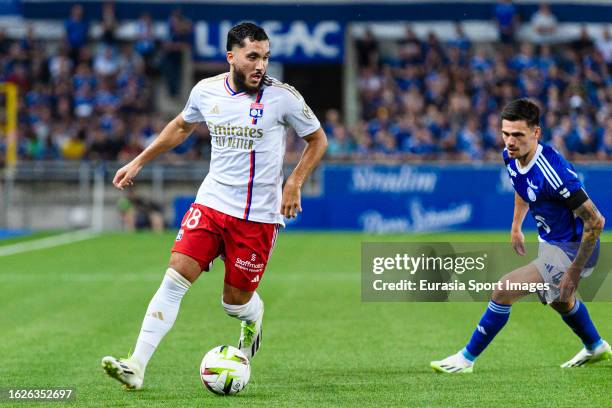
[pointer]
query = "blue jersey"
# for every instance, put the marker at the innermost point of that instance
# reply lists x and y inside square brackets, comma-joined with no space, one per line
[548,183]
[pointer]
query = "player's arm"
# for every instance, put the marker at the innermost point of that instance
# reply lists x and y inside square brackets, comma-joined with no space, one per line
[593,226]
[517,238]
[311,156]
[175,132]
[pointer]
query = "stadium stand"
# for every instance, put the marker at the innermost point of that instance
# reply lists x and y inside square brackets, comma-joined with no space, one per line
[420,98]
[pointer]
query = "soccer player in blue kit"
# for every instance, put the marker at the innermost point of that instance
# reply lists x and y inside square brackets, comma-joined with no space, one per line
[569,226]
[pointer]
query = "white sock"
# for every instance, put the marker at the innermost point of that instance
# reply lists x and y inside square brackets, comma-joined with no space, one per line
[160,315]
[249,312]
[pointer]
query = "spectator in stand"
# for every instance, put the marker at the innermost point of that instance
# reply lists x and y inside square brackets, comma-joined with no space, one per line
[584,43]
[5,43]
[367,50]
[506,19]
[179,40]
[604,148]
[77,31]
[461,40]
[332,120]
[411,48]
[604,47]
[106,62]
[340,144]
[109,24]
[75,147]
[145,40]
[544,24]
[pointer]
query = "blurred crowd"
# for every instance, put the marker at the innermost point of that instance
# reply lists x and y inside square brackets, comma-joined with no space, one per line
[428,99]
[86,99]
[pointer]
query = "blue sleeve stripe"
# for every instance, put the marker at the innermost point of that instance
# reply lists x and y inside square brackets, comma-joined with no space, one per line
[554,173]
[546,174]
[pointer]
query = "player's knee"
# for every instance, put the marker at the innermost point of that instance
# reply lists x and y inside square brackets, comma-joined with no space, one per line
[185,265]
[236,299]
[563,307]
[503,297]
[235,296]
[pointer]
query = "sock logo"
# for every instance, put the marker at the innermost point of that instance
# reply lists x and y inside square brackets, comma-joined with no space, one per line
[156,315]
[481,330]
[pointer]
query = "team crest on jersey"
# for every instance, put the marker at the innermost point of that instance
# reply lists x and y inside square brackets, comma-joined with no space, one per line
[256,110]
[530,193]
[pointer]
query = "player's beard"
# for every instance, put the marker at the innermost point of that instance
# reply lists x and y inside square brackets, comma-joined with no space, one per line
[240,78]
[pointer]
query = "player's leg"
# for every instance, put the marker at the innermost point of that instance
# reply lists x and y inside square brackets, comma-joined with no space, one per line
[247,307]
[576,316]
[492,321]
[196,246]
[159,319]
[248,246]
[552,264]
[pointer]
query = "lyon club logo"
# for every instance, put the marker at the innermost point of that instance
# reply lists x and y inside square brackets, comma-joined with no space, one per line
[256,110]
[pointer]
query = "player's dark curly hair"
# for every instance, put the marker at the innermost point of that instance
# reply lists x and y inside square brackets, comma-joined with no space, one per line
[522,109]
[239,32]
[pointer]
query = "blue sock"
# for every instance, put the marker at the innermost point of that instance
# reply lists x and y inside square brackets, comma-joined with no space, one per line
[491,322]
[579,320]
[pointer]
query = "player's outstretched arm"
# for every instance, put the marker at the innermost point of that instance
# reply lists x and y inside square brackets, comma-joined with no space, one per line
[175,132]
[593,226]
[517,238]
[311,156]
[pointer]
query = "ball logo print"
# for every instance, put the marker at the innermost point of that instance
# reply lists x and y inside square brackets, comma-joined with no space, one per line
[225,370]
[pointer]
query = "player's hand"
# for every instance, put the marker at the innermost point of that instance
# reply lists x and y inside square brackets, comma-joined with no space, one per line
[569,284]
[517,239]
[125,175]
[291,203]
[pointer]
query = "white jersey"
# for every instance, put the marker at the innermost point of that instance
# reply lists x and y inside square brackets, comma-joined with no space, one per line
[248,135]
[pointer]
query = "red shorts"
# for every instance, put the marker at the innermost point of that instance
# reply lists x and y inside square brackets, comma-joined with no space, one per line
[244,245]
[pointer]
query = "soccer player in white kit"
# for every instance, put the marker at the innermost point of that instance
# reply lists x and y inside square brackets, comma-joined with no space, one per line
[241,202]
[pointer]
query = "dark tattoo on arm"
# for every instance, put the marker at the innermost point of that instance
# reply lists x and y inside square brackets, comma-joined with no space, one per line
[593,226]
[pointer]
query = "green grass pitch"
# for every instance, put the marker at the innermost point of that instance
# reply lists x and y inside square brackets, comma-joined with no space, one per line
[63,308]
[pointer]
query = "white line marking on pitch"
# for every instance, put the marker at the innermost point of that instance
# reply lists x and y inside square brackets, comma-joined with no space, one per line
[48,242]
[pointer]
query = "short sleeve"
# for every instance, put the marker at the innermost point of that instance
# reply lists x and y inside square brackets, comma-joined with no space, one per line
[567,174]
[298,115]
[564,179]
[192,113]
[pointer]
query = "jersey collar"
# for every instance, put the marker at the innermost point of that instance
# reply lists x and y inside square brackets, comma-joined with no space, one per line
[229,89]
[524,170]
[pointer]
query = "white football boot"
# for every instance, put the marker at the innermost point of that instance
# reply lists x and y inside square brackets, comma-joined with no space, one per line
[455,364]
[251,334]
[127,372]
[586,357]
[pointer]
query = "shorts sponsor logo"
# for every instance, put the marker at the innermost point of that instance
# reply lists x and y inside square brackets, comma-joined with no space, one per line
[179,236]
[249,266]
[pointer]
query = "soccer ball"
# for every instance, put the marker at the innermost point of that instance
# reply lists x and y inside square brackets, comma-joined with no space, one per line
[225,370]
